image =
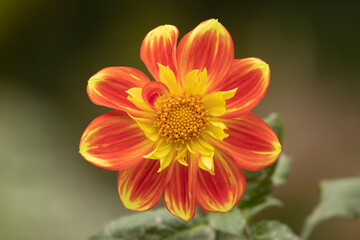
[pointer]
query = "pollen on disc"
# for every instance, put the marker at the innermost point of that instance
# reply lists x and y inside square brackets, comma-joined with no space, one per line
[181,118]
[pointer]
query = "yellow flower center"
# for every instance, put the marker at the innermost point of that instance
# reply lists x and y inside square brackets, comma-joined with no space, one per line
[181,118]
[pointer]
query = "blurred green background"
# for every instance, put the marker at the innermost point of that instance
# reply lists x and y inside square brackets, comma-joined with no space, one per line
[49,49]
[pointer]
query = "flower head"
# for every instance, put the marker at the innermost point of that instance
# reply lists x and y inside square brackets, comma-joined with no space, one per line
[189,134]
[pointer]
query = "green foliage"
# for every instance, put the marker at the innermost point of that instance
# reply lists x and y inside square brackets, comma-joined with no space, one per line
[232,222]
[272,230]
[155,224]
[282,170]
[201,232]
[258,187]
[338,198]
[268,203]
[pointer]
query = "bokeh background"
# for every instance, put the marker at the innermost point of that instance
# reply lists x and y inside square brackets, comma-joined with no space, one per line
[49,49]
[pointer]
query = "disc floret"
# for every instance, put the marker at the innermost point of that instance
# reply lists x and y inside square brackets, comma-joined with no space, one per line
[180,118]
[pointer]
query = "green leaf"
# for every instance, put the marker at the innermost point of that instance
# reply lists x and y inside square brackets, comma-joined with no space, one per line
[154,224]
[272,230]
[232,222]
[258,187]
[228,236]
[338,198]
[201,232]
[275,122]
[259,184]
[268,203]
[282,170]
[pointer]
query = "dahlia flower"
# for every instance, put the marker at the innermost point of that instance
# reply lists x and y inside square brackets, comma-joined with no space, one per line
[189,134]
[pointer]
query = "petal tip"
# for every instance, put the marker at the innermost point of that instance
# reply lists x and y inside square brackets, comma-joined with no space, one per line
[222,209]
[260,64]
[213,24]
[163,31]
[185,217]
[134,206]
[83,146]
[92,82]
[277,148]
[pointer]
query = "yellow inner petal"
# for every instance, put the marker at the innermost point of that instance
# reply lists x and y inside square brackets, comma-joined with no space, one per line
[195,83]
[215,104]
[216,129]
[147,126]
[167,77]
[228,94]
[136,98]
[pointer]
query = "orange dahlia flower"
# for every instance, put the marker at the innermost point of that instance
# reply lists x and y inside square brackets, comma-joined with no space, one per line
[189,134]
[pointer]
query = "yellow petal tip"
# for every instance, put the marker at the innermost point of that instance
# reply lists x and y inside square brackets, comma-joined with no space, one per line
[216,25]
[92,82]
[278,147]
[260,64]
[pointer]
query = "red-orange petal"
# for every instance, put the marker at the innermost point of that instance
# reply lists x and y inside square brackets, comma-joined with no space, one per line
[108,88]
[152,91]
[179,194]
[220,192]
[114,141]
[251,77]
[140,187]
[159,46]
[251,142]
[208,46]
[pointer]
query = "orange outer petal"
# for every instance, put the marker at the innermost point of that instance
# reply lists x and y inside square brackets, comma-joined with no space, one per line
[159,46]
[152,91]
[140,187]
[108,88]
[251,77]
[114,141]
[208,46]
[220,192]
[251,142]
[179,194]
